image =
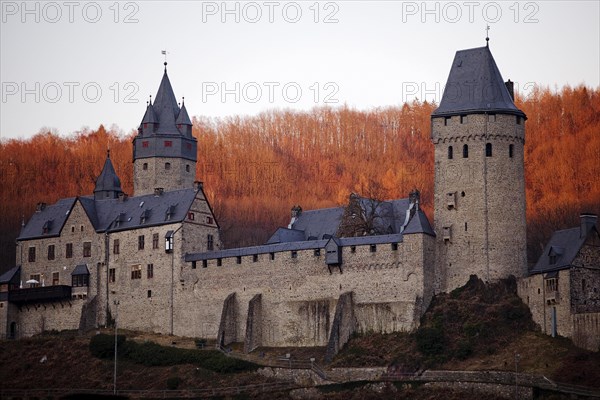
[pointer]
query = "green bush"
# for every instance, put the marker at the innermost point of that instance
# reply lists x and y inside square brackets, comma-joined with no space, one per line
[173,382]
[430,340]
[103,346]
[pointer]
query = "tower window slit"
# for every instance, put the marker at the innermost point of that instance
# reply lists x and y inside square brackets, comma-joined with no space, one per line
[450,153]
[466,151]
[488,149]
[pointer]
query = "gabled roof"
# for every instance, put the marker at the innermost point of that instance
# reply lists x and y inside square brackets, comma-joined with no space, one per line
[475,85]
[419,224]
[316,223]
[165,106]
[562,249]
[57,213]
[108,181]
[283,235]
[11,274]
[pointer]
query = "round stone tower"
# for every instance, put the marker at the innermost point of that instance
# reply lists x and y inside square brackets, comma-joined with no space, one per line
[478,134]
[164,150]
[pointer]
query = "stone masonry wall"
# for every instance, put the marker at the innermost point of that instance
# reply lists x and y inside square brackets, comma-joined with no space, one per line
[344,325]
[481,200]
[180,175]
[254,324]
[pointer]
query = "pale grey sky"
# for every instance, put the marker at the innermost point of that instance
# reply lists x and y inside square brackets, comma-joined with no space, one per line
[70,65]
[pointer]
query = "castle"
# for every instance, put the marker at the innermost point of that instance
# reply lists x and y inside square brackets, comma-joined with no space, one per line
[154,261]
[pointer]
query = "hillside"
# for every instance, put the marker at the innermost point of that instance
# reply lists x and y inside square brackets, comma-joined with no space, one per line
[256,168]
[476,327]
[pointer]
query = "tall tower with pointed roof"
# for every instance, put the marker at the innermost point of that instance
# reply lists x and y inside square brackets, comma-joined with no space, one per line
[479,136]
[164,150]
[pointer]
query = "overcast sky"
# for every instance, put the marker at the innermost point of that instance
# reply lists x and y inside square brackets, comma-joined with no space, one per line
[71,65]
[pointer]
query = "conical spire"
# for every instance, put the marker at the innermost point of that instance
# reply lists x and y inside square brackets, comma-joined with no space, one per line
[150,115]
[165,106]
[183,118]
[108,184]
[475,85]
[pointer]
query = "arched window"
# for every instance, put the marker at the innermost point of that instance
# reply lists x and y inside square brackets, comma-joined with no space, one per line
[168,165]
[488,149]
[450,153]
[465,151]
[511,150]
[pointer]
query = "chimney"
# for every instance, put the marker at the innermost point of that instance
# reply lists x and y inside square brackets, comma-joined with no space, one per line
[123,196]
[296,211]
[158,191]
[588,221]
[40,207]
[414,198]
[511,89]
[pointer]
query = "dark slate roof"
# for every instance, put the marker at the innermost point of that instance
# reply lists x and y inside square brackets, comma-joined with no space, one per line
[165,106]
[419,224]
[9,275]
[293,246]
[108,181]
[57,213]
[283,235]
[475,85]
[116,215]
[564,244]
[81,269]
[150,116]
[183,118]
[316,223]
[103,214]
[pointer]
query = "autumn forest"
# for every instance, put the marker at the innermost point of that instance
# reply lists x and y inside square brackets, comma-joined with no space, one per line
[256,168]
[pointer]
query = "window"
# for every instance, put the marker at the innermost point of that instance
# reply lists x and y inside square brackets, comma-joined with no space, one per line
[69,250]
[80,280]
[511,150]
[446,120]
[450,153]
[394,246]
[150,271]
[465,151]
[116,246]
[155,241]
[519,120]
[141,242]
[551,285]
[187,167]
[204,263]
[583,285]
[272,256]
[34,277]
[194,264]
[149,293]
[209,220]
[463,119]
[294,254]
[72,229]
[51,252]
[352,249]
[87,249]
[317,252]
[112,277]
[210,242]
[31,254]
[167,165]
[238,260]
[136,271]
[219,262]
[55,278]
[488,149]
[191,216]
[553,259]
[145,166]
[168,143]
[254,257]
[373,248]
[465,226]
[145,143]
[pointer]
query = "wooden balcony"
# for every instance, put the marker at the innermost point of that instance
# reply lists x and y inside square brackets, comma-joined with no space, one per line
[40,294]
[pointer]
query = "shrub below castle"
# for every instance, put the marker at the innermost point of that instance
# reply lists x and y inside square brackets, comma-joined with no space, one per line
[152,354]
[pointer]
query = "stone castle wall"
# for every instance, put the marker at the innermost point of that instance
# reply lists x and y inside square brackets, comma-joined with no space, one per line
[479,200]
[150,173]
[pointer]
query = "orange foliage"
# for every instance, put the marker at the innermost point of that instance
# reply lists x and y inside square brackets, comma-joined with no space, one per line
[256,168]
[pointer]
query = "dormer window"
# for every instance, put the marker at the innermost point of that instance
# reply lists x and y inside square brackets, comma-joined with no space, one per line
[120,219]
[170,213]
[47,227]
[145,216]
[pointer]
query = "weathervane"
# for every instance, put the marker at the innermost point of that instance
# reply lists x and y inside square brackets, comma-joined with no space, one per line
[487,35]
[164,53]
